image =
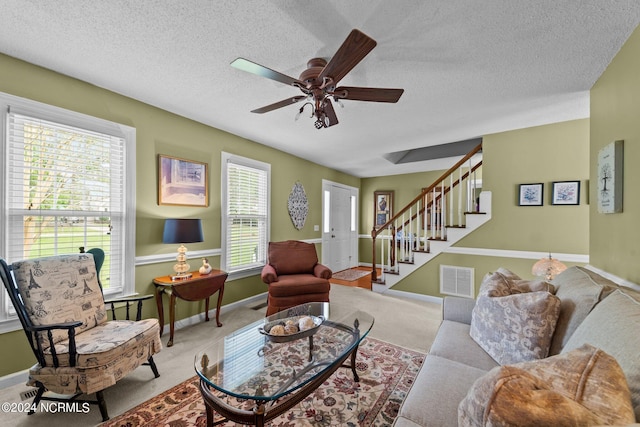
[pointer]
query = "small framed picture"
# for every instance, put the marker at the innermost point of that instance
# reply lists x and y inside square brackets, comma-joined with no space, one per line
[182,182]
[566,193]
[530,194]
[383,207]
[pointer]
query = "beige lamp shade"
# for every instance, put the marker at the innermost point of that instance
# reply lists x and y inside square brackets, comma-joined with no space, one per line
[548,268]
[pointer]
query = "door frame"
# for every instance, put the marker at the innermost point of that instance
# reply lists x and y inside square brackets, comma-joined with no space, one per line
[354,237]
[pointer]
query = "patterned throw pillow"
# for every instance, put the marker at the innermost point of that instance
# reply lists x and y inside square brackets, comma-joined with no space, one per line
[583,387]
[511,325]
[61,289]
[497,285]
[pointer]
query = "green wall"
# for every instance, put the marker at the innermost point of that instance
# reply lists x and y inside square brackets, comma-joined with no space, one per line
[556,152]
[615,115]
[563,151]
[161,132]
[543,154]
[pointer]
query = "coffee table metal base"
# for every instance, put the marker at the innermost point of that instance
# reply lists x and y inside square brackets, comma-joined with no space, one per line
[266,411]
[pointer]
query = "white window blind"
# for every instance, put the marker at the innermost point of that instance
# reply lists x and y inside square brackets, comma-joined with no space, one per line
[67,182]
[245,190]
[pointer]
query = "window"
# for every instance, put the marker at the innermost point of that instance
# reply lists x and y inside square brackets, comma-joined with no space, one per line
[245,213]
[68,181]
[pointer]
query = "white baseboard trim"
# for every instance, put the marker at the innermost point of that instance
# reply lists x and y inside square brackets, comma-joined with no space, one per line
[15,378]
[411,295]
[22,376]
[199,318]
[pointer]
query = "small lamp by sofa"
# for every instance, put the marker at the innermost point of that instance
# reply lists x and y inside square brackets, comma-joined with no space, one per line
[182,231]
[548,268]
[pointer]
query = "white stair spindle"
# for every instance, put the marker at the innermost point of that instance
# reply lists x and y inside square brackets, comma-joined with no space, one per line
[451,199]
[444,214]
[433,214]
[425,220]
[382,259]
[475,187]
[460,195]
[469,180]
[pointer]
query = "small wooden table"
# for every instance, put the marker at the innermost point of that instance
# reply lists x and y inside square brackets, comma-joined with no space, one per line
[196,288]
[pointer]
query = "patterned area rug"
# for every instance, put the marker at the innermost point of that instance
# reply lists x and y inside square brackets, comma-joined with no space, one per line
[386,373]
[350,275]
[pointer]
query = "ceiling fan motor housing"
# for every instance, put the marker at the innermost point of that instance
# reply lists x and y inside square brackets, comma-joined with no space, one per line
[310,75]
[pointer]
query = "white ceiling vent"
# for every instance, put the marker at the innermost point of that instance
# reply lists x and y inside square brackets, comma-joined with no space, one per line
[456,281]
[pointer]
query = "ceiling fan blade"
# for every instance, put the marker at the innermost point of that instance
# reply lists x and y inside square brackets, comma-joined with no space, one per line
[279,104]
[368,94]
[330,113]
[353,50]
[260,70]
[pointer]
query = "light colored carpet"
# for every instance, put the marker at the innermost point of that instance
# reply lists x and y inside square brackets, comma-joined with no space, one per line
[405,322]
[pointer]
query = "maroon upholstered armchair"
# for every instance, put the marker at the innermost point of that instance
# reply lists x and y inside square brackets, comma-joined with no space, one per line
[294,276]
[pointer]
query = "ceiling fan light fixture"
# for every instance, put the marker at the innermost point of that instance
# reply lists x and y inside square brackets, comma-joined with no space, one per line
[319,81]
[299,113]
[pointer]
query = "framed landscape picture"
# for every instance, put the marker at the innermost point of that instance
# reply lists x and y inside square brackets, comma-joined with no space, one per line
[530,194]
[566,193]
[182,182]
[383,207]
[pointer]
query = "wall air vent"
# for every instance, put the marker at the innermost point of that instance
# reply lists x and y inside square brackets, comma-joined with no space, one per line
[457,281]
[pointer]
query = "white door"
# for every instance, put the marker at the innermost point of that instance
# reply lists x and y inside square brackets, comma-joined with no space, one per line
[339,237]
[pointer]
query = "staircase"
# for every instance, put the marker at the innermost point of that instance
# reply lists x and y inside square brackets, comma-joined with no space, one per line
[443,213]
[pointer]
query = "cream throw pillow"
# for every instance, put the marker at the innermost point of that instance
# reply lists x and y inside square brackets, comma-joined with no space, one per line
[583,387]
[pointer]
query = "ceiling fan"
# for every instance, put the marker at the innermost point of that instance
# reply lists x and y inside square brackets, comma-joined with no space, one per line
[319,81]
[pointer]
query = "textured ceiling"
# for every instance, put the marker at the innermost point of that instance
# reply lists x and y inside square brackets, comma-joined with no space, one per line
[468,67]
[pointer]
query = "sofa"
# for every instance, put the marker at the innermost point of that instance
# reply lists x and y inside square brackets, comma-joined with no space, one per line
[294,276]
[562,352]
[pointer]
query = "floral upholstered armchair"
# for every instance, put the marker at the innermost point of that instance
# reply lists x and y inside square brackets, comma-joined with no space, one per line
[294,276]
[60,304]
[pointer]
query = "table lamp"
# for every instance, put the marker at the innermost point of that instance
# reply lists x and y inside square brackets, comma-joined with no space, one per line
[182,231]
[548,267]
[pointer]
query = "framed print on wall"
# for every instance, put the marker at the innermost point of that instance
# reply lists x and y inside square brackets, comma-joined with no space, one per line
[610,177]
[566,193]
[182,182]
[530,194]
[383,207]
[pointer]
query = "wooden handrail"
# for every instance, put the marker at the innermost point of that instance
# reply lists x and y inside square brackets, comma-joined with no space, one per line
[374,232]
[377,231]
[439,196]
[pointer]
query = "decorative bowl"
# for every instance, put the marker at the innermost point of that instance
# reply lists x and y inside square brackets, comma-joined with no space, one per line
[317,321]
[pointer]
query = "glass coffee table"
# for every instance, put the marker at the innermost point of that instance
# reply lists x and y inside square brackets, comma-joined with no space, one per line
[264,369]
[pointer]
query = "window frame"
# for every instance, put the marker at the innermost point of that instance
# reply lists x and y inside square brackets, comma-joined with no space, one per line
[226,159]
[15,104]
